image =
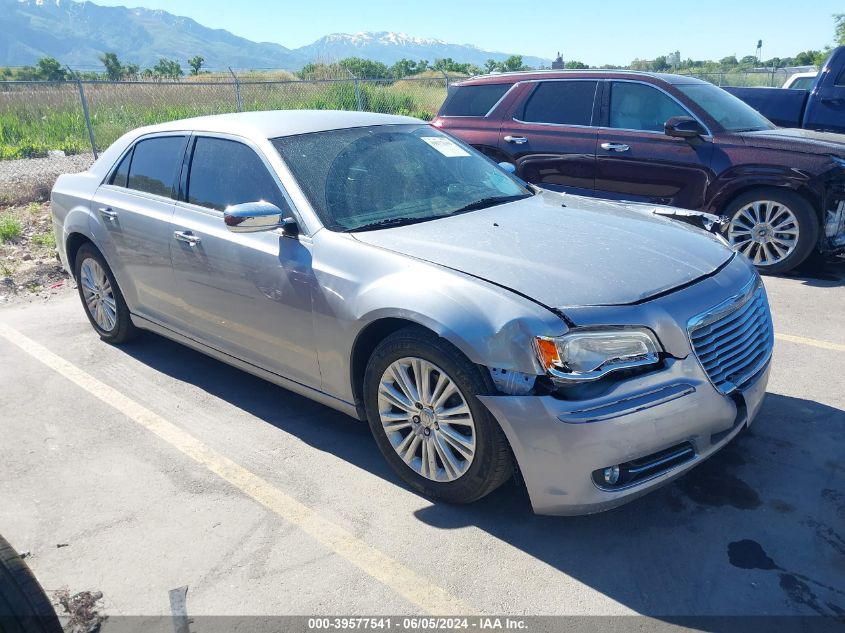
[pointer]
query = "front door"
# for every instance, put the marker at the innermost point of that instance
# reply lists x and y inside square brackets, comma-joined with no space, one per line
[549,139]
[134,208]
[245,294]
[637,161]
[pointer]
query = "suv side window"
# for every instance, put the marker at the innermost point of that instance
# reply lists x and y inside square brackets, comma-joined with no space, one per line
[840,80]
[474,100]
[155,165]
[635,106]
[225,172]
[561,102]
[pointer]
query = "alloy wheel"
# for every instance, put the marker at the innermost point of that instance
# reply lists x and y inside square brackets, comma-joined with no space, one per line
[98,294]
[765,231]
[426,419]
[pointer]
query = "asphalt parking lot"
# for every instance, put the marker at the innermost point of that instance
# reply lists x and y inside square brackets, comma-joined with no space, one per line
[138,469]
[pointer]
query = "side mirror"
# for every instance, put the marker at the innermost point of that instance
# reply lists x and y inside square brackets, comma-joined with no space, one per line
[683,127]
[252,217]
[508,167]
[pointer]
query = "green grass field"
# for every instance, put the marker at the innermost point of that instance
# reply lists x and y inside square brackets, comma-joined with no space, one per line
[37,118]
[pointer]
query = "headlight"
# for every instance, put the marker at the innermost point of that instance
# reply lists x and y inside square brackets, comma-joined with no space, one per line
[592,353]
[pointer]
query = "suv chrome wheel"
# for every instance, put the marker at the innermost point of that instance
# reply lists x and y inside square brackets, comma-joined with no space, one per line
[98,294]
[765,231]
[426,418]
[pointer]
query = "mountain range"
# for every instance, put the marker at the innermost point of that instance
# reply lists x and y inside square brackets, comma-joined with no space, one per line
[77,33]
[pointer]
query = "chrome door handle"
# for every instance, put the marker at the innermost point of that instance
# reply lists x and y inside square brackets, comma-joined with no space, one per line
[108,213]
[187,236]
[517,140]
[615,147]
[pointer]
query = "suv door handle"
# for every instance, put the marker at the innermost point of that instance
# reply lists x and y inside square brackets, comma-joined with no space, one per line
[187,236]
[615,147]
[517,140]
[108,213]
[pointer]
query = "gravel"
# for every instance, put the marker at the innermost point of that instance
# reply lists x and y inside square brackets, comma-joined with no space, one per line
[30,179]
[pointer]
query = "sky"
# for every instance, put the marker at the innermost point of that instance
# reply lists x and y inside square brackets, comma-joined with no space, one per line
[607,32]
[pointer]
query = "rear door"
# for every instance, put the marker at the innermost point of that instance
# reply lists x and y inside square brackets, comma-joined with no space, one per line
[134,208]
[637,161]
[549,135]
[245,294]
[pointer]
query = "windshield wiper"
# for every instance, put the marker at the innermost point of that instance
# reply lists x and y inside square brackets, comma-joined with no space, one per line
[387,223]
[489,202]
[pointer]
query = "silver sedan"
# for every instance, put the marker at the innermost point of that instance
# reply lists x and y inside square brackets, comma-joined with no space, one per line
[481,326]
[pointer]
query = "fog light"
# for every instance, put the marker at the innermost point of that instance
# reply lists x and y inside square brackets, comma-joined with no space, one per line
[611,475]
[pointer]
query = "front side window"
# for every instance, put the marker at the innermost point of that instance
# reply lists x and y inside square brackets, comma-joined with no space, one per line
[475,100]
[225,172]
[562,103]
[635,106]
[385,175]
[733,114]
[155,165]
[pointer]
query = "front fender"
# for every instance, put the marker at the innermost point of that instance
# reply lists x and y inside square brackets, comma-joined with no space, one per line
[358,285]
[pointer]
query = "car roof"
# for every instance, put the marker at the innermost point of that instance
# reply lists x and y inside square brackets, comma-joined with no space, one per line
[533,75]
[275,123]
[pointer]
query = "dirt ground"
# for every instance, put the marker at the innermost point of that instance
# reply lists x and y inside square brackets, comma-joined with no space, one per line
[29,265]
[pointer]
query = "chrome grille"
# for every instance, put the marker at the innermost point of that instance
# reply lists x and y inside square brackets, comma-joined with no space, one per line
[734,340]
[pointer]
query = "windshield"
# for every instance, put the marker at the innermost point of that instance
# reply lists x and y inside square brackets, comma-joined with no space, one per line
[733,114]
[374,177]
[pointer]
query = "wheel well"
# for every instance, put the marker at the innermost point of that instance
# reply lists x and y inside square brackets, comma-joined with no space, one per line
[362,350]
[806,193]
[74,243]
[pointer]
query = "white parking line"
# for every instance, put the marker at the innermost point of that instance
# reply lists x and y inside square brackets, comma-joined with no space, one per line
[415,588]
[812,342]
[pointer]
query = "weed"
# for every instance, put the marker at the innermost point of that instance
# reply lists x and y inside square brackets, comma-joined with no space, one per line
[10,228]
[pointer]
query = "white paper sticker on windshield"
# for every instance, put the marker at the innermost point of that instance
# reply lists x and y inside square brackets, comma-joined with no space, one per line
[445,146]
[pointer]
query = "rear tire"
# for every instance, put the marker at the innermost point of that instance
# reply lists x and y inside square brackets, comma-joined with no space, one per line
[455,449]
[775,228]
[24,607]
[101,297]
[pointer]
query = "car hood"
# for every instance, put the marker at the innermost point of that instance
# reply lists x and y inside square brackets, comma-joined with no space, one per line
[797,140]
[563,250]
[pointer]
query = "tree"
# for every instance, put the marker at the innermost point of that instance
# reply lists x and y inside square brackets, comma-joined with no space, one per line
[491,65]
[49,68]
[167,69]
[364,68]
[749,60]
[130,71]
[114,69]
[196,63]
[839,21]
[730,60]
[404,68]
[660,64]
[806,58]
[514,62]
[575,65]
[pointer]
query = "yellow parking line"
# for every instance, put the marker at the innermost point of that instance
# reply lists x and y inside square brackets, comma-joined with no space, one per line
[408,584]
[801,340]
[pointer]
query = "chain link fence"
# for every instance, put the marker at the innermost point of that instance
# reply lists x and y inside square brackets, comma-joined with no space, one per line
[757,77]
[53,127]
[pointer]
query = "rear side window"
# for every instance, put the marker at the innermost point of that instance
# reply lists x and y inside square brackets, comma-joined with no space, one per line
[120,174]
[473,100]
[562,103]
[155,165]
[840,80]
[636,106]
[226,172]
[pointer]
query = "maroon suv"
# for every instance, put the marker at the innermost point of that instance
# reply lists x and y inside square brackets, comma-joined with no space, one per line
[663,139]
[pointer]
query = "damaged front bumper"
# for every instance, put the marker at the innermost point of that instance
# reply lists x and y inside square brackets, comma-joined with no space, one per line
[649,427]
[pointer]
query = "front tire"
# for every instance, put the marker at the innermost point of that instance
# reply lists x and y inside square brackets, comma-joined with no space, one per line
[24,607]
[776,229]
[420,397]
[101,297]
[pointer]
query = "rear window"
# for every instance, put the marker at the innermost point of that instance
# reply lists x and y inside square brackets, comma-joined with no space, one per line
[561,103]
[155,165]
[473,100]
